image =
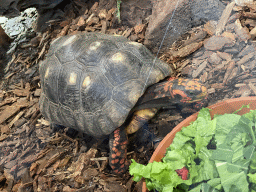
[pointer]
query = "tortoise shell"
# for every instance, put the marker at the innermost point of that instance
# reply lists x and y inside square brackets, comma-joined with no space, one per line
[91,81]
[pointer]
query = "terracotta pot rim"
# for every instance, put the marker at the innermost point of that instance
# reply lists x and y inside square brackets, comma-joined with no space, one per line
[227,105]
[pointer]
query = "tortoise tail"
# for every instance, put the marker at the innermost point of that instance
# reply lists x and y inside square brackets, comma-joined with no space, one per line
[118,151]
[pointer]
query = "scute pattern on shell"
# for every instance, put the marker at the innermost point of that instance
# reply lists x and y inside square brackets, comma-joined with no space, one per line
[91,81]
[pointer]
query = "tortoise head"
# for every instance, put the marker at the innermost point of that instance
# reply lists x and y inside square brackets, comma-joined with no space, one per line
[174,91]
[184,91]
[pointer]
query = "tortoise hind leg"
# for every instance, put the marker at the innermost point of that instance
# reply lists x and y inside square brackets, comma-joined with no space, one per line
[118,151]
[118,140]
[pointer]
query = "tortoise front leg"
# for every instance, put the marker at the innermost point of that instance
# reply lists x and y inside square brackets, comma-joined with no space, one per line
[118,151]
[139,118]
[118,140]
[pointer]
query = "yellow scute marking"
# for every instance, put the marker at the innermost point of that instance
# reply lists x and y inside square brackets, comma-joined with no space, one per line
[72,78]
[135,43]
[117,57]
[95,45]
[69,40]
[87,81]
[47,72]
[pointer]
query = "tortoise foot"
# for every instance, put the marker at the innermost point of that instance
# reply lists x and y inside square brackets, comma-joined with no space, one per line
[118,151]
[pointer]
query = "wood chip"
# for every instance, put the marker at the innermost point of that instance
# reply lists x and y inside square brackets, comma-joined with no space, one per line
[41,52]
[230,67]
[199,69]
[104,26]
[103,14]
[253,33]
[127,32]
[233,74]
[5,129]
[196,38]
[224,55]
[211,90]
[139,28]
[8,101]
[253,88]
[21,92]
[224,18]
[64,31]
[249,15]
[229,35]
[12,110]
[242,32]
[3,137]
[245,59]
[210,27]
[187,50]
[251,6]
[216,43]
[37,92]
[16,118]
[214,59]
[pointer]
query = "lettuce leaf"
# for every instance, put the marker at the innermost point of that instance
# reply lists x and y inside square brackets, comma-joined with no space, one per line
[227,168]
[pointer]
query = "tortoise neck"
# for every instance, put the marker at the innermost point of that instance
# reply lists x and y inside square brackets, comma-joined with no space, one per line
[156,96]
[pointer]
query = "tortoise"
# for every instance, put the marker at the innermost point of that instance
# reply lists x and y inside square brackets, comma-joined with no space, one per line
[93,82]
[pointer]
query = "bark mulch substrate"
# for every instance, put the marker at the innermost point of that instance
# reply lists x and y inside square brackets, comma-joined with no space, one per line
[225,61]
[36,157]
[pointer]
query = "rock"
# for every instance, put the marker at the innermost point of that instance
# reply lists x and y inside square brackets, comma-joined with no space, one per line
[5,41]
[160,20]
[181,15]
[13,8]
[207,10]
[22,24]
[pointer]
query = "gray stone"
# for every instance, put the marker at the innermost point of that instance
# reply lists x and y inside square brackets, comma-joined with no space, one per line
[12,8]
[21,24]
[186,15]
[206,10]
[160,20]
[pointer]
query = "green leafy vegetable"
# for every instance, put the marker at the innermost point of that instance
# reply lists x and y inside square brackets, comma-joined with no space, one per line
[229,166]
